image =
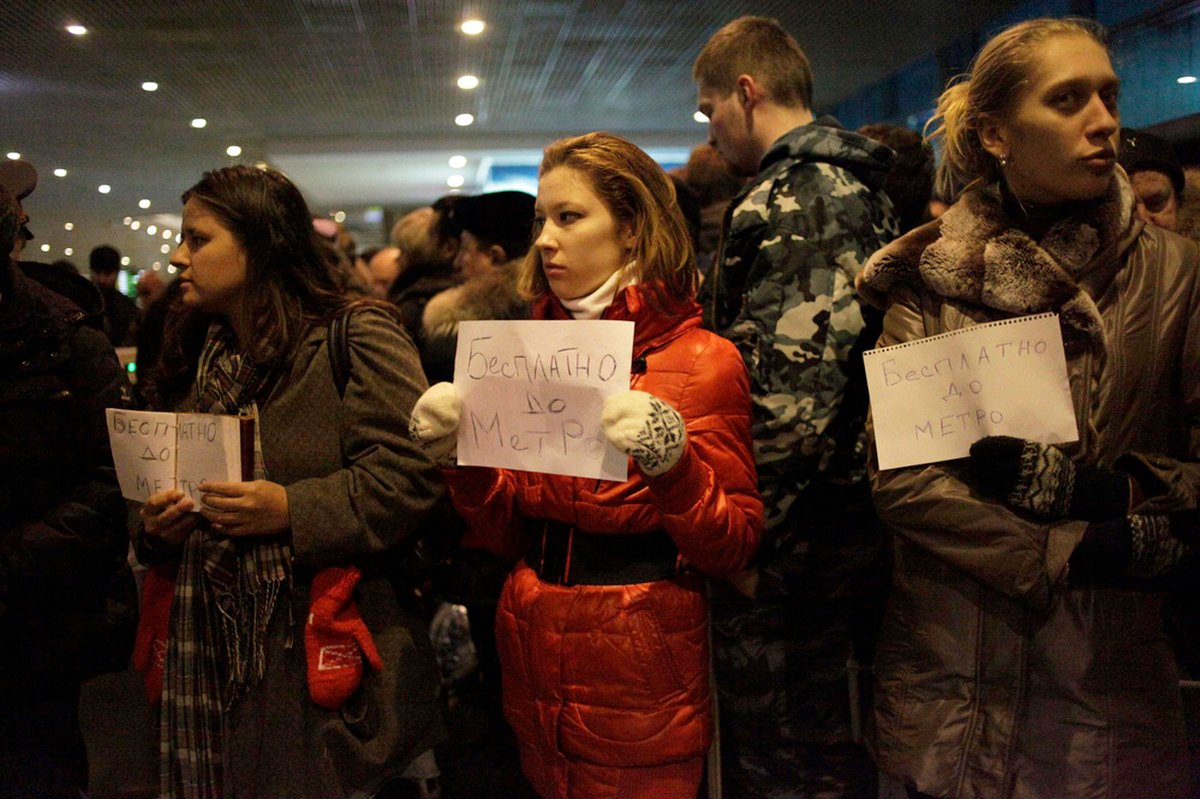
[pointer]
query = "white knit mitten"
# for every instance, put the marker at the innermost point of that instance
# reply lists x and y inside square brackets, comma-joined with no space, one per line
[434,423]
[645,428]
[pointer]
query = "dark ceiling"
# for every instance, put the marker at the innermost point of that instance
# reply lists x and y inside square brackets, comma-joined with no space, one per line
[356,99]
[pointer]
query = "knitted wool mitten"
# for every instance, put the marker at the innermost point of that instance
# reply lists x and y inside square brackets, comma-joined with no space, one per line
[646,429]
[434,423]
[154,626]
[336,639]
[1042,480]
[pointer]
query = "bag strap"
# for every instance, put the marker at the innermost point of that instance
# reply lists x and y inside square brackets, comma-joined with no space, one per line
[339,350]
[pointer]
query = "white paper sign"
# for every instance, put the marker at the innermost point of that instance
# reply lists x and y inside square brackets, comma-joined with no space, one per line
[533,392]
[934,397]
[156,451]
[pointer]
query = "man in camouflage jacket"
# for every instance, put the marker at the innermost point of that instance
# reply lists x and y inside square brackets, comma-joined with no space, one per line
[782,289]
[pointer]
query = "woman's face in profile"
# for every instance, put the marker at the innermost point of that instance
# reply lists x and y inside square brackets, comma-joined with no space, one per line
[212,262]
[1060,137]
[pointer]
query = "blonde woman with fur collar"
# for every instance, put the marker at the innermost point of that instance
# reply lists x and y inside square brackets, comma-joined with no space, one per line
[1023,653]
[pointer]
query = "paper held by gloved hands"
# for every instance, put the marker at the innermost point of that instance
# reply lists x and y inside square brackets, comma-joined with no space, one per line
[932,398]
[533,392]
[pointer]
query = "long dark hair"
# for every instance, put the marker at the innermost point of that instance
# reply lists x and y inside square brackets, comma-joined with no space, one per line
[291,281]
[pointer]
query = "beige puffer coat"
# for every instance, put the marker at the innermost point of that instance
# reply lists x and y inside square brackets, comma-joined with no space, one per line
[996,677]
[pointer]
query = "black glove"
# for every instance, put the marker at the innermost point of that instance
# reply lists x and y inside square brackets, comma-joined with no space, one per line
[1136,546]
[1042,480]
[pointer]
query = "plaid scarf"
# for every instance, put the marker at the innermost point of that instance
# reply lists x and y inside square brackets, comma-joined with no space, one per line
[225,596]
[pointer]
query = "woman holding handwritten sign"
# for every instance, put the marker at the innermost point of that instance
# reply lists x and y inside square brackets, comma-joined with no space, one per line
[602,627]
[282,590]
[1023,653]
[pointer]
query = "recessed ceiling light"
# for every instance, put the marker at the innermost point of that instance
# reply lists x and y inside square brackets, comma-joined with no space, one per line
[104,188]
[157,266]
[151,229]
[134,225]
[60,173]
[468,82]
[124,260]
[127,220]
[700,117]
[149,86]
[143,203]
[69,226]
[458,161]
[14,156]
[166,248]
[199,122]
[462,120]
[77,30]
[45,248]
[1186,79]
[166,233]
[68,251]
[472,27]
[455,181]
[171,270]
[233,151]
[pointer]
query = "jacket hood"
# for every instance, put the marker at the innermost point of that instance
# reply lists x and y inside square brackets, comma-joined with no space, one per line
[974,252]
[827,141]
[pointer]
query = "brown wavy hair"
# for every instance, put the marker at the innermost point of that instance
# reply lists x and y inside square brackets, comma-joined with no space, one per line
[640,196]
[991,86]
[292,281]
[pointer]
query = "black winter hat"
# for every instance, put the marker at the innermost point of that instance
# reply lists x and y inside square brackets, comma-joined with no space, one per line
[1140,152]
[501,217]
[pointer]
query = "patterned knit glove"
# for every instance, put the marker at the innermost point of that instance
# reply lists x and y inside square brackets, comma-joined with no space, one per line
[336,639]
[1136,546]
[646,429]
[1042,480]
[434,423]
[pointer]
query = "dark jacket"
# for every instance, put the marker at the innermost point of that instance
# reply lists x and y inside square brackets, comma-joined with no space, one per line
[62,519]
[997,676]
[617,676]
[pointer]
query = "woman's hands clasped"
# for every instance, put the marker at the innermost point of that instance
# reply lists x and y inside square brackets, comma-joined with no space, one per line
[257,507]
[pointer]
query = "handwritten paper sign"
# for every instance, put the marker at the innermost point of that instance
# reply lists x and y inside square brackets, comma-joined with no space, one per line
[155,451]
[533,392]
[932,398]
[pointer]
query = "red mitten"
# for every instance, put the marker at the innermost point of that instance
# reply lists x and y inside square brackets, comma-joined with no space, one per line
[336,639]
[154,626]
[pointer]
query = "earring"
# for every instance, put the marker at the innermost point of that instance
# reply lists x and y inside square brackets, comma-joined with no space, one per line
[1004,162]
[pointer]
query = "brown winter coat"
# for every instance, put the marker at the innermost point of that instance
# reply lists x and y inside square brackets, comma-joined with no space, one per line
[996,676]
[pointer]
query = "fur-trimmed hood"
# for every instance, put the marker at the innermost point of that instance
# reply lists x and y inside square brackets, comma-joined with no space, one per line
[974,252]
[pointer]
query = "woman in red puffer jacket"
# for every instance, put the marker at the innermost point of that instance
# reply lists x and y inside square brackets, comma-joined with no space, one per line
[602,627]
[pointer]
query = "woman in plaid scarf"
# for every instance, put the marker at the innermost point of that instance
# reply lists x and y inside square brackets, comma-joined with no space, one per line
[271,596]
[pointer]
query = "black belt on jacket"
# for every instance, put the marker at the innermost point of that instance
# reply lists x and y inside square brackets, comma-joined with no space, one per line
[561,554]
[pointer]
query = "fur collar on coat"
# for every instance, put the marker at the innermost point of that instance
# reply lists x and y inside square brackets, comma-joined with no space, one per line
[976,254]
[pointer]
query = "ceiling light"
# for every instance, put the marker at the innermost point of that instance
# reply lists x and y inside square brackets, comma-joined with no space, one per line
[462,120]
[143,203]
[151,229]
[127,220]
[171,270]
[104,188]
[69,226]
[149,86]
[124,260]
[134,225]
[339,217]
[1186,79]
[233,151]
[458,161]
[468,82]
[14,156]
[157,266]
[69,251]
[76,30]
[166,248]
[60,173]
[166,233]
[45,248]
[472,27]
[199,122]
[700,117]
[454,181]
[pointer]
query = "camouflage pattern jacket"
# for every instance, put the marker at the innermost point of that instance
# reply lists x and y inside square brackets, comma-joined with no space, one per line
[782,289]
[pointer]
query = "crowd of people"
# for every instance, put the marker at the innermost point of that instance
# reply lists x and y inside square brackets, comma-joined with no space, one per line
[759,609]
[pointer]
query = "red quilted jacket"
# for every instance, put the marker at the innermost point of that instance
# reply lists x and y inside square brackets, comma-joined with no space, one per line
[618,675]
